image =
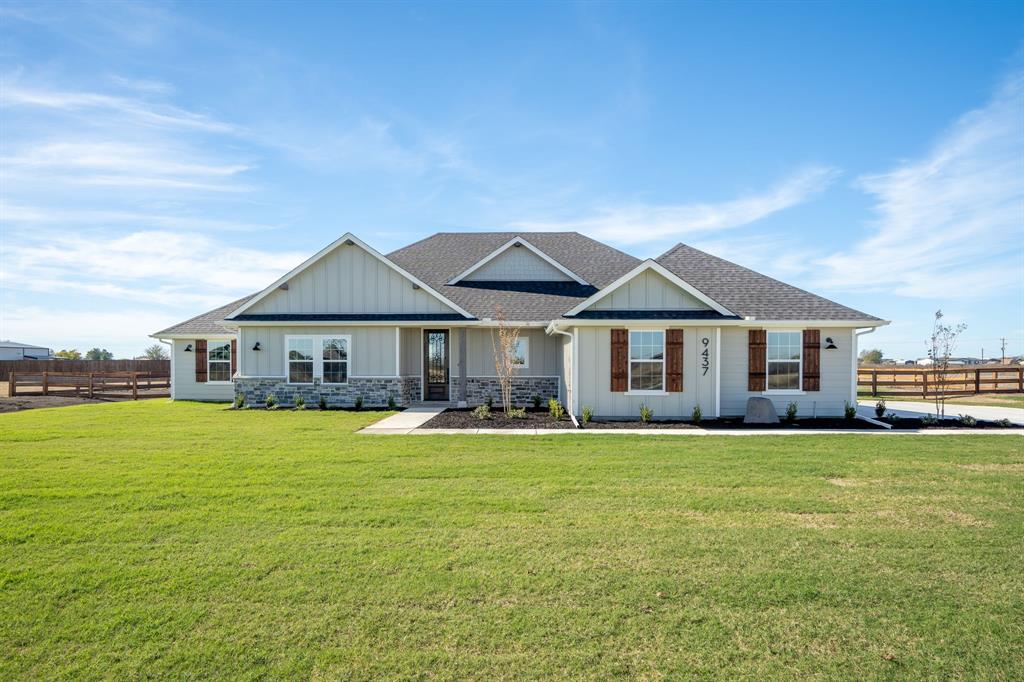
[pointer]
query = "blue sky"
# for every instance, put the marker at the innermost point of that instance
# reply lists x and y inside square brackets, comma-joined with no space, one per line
[159,160]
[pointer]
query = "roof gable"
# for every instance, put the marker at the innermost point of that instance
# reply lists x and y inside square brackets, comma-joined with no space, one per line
[649,286]
[517,260]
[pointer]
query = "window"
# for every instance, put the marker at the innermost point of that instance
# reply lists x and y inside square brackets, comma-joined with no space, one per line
[300,359]
[647,361]
[521,353]
[784,350]
[335,358]
[218,361]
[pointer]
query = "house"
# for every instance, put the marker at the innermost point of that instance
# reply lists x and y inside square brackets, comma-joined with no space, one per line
[13,350]
[599,328]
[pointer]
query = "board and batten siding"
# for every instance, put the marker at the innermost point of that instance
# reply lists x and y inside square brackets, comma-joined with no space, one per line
[836,377]
[411,361]
[518,265]
[349,280]
[184,377]
[544,360]
[595,377]
[372,353]
[649,291]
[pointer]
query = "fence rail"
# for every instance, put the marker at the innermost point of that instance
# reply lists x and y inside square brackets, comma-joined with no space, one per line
[132,385]
[82,366]
[956,381]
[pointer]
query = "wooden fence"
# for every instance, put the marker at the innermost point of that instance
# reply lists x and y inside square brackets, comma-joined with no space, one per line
[132,385]
[82,366]
[926,382]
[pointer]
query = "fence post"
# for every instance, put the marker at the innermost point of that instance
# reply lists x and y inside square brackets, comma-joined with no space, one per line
[12,385]
[924,383]
[90,384]
[874,381]
[135,387]
[977,381]
[46,383]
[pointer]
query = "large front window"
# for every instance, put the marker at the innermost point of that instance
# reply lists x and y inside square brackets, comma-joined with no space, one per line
[646,361]
[325,357]
[784,350]
[300,360]
[219,361]
[335,356]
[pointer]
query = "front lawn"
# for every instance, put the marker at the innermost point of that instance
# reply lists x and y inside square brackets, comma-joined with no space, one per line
[181,540]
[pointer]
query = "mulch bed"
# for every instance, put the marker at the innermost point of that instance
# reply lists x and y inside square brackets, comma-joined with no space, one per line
[737,423]
[464,419]
[915,423]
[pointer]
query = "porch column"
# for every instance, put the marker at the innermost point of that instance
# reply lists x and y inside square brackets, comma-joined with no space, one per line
[463,380]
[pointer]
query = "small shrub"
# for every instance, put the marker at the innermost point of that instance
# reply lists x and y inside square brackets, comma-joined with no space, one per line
[966,420]
[646,413]
[300,402]
[850,411]
[880,408]
[482,412]
[929,420]
[535,400]
[239,401]
[359,402]
[392,405]
[696,415]
[588,414]
[323,403]
[517,413]
[1005,423]
[791,411]
[893,418]
[555,409]
[489,402]
[271,401]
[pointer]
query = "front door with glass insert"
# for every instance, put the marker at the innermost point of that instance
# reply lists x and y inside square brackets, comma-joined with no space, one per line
[435,364]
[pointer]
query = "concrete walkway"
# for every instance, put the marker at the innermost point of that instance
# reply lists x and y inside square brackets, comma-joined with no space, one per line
[908,408]
[405,421]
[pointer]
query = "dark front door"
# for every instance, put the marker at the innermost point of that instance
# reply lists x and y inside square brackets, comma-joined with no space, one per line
[435,363]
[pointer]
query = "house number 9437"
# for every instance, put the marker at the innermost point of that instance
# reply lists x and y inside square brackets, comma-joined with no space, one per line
[705,356]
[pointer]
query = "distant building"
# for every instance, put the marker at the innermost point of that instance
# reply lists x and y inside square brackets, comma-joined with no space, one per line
[12,350]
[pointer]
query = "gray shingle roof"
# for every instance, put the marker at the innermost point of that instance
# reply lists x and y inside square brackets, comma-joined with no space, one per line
[445,255]
[751,294]
[211,322]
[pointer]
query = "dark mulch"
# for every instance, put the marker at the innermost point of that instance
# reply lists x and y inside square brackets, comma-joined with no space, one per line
[915,423]
[737,423]
[464,419]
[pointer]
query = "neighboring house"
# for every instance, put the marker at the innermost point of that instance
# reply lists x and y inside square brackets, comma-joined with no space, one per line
[12,350]
[600,328]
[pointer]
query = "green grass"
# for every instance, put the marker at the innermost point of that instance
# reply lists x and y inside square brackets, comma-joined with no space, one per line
[984,399]
[181,540]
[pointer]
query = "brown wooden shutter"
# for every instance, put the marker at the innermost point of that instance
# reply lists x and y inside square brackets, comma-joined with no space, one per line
[200,349]
[757,350]
[674,360]
[234,356]
[812,359]
[620,360]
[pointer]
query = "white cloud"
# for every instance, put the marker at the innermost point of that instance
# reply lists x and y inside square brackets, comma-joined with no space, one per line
[950,224]
[641,223]
[124,331]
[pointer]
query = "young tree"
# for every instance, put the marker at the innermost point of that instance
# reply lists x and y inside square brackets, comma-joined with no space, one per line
[156,352]
[68,354]
[940,348]
[504,342]
[99,354]
[871,357]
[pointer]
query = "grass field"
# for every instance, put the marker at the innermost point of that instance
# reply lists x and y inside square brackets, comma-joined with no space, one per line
[181,540]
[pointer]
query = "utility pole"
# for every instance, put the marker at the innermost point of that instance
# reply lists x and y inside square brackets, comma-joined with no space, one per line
[1003,340]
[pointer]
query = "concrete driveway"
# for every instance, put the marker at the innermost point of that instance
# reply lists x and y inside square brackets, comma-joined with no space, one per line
[908,408]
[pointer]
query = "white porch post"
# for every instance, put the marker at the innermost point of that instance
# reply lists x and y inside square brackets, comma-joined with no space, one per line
[463,380]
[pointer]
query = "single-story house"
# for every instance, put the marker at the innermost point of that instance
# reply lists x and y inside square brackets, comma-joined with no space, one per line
[15,350]
[598,328]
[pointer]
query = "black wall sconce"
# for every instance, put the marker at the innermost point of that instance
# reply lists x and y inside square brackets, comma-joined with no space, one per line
[188,348]
[257,346]
[830,345]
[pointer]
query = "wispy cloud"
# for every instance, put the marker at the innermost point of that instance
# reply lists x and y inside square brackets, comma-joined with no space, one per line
[950,224]
[640,223]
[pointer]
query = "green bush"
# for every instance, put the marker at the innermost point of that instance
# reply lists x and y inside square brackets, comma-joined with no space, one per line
[482,412]
[359,402]
[850,411]
[696,415]
[967,420]
[392,405]
[929,420]
[323,403]
[555,409]
[517,413]
[791,410]
[588,414]
[535,400]
[880,408]
[239,401]
[1005,423]
[646,413]
[300,402]
[271,401]
[489,402]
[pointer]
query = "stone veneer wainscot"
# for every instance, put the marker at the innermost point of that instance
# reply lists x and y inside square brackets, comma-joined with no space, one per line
[523,389]
[375,391]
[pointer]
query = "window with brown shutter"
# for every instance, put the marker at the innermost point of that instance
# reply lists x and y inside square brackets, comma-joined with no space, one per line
[620,360]
[674,360]
[234,356]
[757,346]
[200,349]
[812,359]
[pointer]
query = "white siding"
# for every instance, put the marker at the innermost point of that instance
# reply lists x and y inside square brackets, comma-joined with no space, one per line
[349,280]
[412,352]
[649,291]
[372,352]
[518,264]
[543,361]
[836,367]
[184,376]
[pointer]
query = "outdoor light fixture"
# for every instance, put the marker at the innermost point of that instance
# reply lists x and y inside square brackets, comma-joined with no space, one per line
[257,346]
[831,345]
[188,348]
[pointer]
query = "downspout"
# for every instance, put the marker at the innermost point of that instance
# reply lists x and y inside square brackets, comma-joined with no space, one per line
[172,382]
[853,363]
[570,389]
